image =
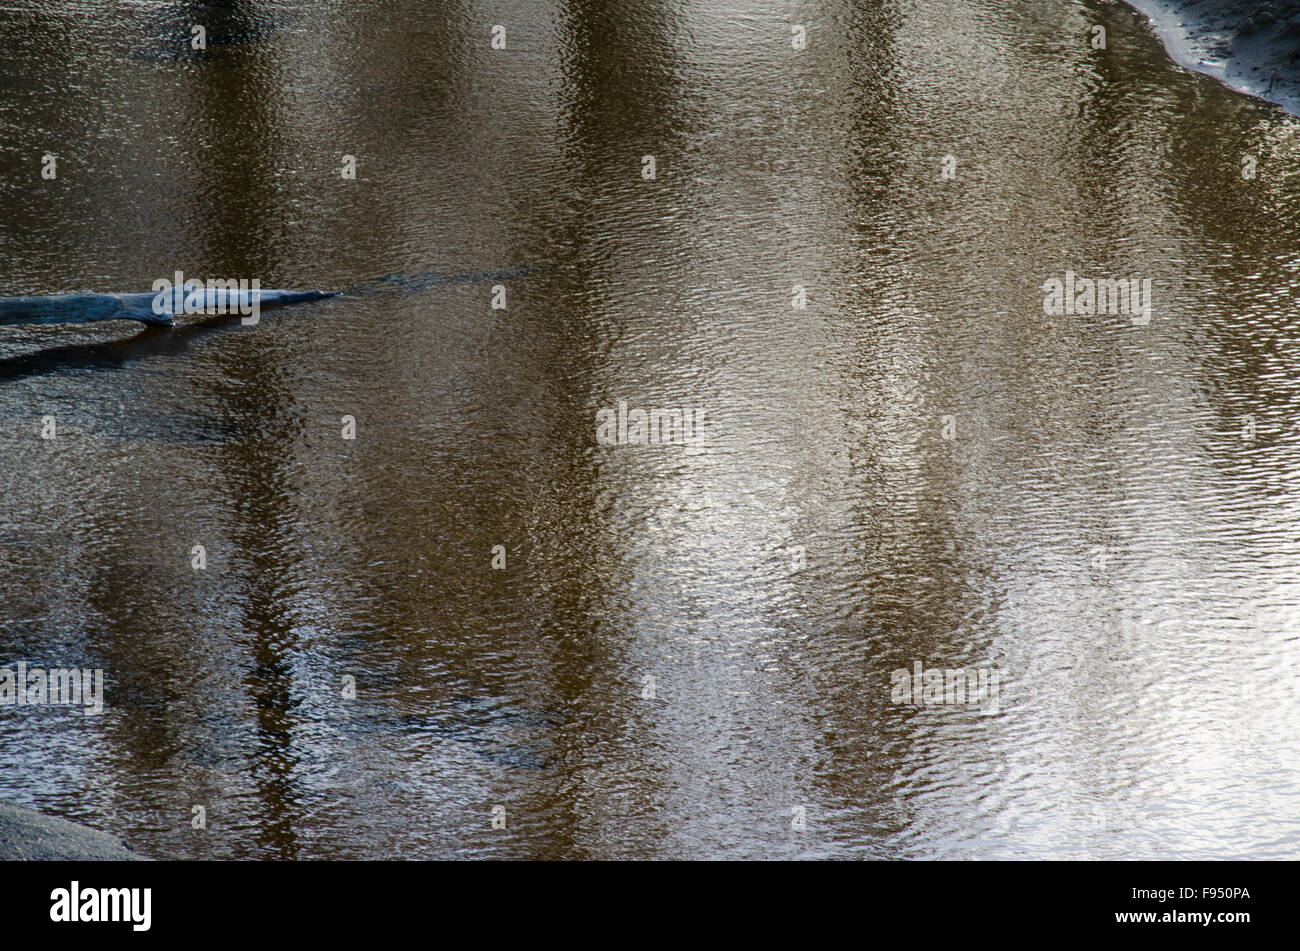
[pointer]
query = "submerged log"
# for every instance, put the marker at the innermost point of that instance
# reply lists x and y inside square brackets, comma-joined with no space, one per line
[157,309]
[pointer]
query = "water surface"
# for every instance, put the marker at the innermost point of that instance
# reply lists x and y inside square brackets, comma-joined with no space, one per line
[1106,528]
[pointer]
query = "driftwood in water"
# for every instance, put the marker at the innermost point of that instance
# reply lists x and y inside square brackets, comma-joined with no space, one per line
[144,307]
[158,309]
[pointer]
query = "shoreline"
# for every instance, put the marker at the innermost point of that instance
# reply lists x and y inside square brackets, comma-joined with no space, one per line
[1251,46]
[30,836]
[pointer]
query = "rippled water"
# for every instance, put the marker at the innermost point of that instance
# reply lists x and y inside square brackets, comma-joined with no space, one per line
[921,465]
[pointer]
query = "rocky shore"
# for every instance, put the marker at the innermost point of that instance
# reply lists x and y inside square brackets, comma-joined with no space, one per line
[27,836]
[1251,45]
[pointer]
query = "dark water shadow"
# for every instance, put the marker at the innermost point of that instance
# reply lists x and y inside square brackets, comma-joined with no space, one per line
[150,342]
[226,23]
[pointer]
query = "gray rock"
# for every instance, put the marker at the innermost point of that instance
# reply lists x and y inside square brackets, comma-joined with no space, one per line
[27,836]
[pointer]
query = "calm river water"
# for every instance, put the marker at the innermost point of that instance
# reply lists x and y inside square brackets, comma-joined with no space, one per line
[1099,515]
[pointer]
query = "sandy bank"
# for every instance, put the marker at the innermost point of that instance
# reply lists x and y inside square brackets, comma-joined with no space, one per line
[1251,45]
